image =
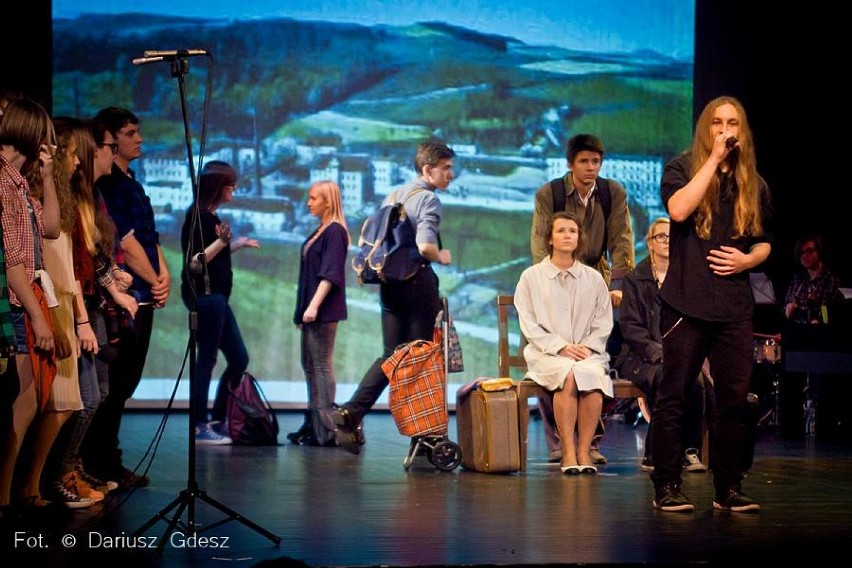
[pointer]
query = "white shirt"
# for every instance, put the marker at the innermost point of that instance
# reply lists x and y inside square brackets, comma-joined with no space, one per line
[557,307]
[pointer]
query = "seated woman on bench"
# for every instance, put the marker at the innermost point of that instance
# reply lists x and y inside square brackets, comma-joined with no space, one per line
[565,313]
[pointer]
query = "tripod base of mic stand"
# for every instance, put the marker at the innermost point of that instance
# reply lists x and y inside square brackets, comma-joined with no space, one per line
[187,500]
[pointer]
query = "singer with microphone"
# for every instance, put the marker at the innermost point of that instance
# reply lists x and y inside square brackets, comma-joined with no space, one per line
[206,284]
[719,208]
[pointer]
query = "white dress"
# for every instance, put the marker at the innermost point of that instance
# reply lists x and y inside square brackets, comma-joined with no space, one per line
[557,307]
[59,264]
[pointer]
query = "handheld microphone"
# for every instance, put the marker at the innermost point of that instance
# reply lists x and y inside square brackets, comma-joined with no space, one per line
[731,142]
[146,60]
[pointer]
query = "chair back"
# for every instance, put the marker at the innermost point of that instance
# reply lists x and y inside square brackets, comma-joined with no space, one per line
[506,360]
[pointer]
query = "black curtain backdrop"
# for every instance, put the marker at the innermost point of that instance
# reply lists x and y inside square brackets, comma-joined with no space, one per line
[778,61]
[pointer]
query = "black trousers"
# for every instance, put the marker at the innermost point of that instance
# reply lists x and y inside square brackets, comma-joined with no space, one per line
[100,448]
[728,347]
[409,310]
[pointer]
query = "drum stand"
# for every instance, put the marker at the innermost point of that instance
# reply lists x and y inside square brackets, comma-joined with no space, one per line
[773,416]
[767,351]
[809,408]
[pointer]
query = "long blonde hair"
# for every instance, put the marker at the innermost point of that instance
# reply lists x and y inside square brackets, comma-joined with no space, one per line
[79,192]
[330,191]
[747,215]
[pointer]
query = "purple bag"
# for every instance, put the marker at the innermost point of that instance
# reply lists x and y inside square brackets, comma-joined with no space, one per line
[251,420]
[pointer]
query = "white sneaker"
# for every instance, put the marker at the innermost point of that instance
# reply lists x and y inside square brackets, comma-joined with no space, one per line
[205,435]
[691,463]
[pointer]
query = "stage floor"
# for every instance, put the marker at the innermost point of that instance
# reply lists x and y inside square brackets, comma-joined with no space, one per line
[330,508]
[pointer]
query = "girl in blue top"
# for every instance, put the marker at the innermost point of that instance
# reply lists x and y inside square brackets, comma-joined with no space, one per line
[320,304]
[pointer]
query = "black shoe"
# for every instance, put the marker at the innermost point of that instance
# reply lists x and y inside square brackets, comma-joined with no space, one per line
[128,480]
[734,500]
[302,436]
[345,433]
[670,498]
[647,465]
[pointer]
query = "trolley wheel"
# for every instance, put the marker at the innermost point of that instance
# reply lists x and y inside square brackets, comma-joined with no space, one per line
[446,456]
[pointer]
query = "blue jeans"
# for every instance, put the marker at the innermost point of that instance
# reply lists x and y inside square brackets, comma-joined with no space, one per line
[94,387]
[318,365]
[409,310]
[217,331]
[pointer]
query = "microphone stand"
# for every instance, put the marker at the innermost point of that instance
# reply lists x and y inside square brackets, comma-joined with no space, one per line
[186,499]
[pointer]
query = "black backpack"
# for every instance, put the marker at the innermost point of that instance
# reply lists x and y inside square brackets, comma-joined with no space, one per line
[251,420]
[387,247]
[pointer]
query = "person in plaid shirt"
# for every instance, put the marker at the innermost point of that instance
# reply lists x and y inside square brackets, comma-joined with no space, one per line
[27,143]
[812,288]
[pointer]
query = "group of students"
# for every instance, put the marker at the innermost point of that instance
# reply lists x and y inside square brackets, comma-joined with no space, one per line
[688,306]
[73,341]
[686,310]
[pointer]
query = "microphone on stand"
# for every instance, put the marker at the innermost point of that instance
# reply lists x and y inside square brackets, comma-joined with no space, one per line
[155,56]
[176,53]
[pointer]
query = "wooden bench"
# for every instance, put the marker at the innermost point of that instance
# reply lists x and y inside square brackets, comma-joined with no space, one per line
[506,361]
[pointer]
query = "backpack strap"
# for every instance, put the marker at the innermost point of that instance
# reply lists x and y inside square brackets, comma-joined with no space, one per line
[412,192]
[605,197]
[557,189]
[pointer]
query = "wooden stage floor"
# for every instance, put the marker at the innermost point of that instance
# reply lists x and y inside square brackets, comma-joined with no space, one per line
[330,508]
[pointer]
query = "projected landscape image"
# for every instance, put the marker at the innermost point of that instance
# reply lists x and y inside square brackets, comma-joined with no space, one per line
[314,91]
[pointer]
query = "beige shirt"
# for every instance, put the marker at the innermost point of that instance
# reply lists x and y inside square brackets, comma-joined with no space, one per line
[558,307]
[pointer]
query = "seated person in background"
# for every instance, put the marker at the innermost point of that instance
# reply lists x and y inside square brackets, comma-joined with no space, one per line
[812,288]
[641,359]
[601,206]
[565,313]
[812,293]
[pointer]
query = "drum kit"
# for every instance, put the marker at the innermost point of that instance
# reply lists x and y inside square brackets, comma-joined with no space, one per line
[767,351]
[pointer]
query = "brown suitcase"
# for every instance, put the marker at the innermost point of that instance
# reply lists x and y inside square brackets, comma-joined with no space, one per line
[487,424]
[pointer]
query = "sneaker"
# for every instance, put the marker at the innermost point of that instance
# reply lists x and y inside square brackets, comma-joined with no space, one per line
[596,456]
[670,498]
[207,436]
[345,433]
[219,427]
[692,463]
[647,465]
[736,501]
[85,490]
[64,492]
[554,456]
[96,482]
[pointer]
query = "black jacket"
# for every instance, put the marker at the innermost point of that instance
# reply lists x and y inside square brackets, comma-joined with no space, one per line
[641,358]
